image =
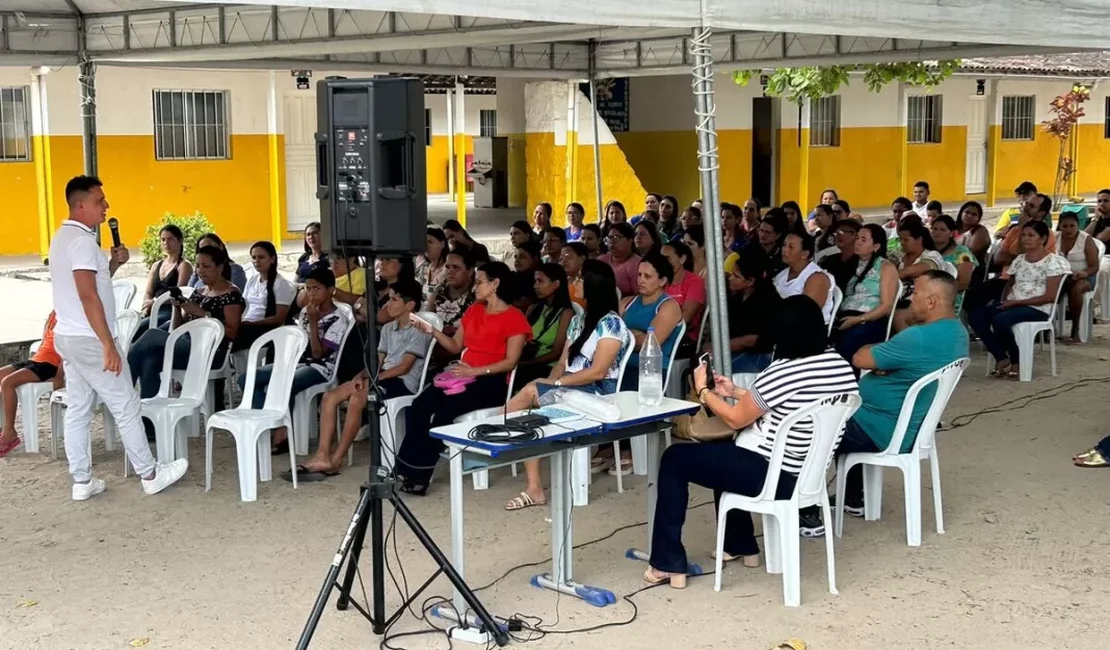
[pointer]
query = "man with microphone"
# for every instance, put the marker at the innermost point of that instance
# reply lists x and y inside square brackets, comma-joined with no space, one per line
[81,279]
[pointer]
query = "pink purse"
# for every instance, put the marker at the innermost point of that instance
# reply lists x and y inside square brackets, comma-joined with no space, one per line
[451,384]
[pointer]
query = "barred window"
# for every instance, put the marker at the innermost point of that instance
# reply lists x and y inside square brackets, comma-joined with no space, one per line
[824,122]
[1017,117]
[487,123]
[923,119]
[191,125]
[427,127]
[15,125]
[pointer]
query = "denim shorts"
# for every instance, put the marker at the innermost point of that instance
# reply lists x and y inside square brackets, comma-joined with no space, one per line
[603,387]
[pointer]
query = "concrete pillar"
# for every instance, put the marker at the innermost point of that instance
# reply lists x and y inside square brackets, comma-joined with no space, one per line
[460,153]
[511,123]
[571,131]
[274,151]
[40,152]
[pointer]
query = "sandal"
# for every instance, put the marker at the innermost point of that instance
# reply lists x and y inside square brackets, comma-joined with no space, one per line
[1013,374]
[1000,371]
[415,489]
[1092,458]
[653,577]
[625,467]
[522,502]
[750,561]
[599,464]
[9,447]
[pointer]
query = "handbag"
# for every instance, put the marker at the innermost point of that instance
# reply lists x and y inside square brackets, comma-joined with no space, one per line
[700,427]
[451,384]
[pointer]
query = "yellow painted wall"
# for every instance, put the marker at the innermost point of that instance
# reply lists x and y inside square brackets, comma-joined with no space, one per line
[437,162]
[666,162]
[20,208]
[865,169]
[1093,162]
[1025,160]
[944,166]
[546,164]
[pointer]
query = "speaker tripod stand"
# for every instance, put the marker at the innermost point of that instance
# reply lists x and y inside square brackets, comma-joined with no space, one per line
[380,487]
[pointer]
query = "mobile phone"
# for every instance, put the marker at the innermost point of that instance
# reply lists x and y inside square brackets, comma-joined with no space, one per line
[707,360]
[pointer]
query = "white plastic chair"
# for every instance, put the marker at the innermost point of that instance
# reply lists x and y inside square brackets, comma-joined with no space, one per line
[305,418]
[124,292]
[1087,316]
[582,455]
[890,317]
[924,448]
[28,396]
[780,517]
[392,422]
[1103,289]
[166,412]
[251,428]
[639,443]
[828,252]
[127,323]
[837,298]
[1026,336]
[186,292]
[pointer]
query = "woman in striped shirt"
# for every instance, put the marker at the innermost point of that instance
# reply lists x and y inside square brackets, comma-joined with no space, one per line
[804,370]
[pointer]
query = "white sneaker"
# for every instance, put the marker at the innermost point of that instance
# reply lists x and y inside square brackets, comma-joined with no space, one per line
[165,476]
[84,491]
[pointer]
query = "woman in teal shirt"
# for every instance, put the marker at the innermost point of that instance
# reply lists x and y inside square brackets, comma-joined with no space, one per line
[550,317]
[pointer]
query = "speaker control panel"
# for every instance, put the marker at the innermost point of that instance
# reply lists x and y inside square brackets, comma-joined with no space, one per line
[352,150]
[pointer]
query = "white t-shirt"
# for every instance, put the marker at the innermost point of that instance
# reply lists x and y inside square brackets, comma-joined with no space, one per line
[255,295]
[792,287]
[74,248]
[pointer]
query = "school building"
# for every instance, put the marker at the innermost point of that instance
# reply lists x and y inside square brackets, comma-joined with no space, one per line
[238,145]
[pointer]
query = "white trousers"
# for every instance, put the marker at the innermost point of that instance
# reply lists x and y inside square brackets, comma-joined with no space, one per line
[86,379]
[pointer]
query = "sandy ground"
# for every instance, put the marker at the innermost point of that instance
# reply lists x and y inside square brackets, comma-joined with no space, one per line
[1022,564]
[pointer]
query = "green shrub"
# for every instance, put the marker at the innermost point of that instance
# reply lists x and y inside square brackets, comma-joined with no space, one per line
[192,226]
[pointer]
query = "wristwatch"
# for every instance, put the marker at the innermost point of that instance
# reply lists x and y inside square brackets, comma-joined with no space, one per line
[558,383]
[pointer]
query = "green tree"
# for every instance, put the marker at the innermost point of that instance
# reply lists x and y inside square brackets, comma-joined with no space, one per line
[800,84]
[191,225]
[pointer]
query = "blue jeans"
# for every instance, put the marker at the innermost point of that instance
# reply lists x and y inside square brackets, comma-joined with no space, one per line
[303,378]
[751,362]
[849,341]
[995,327]
[146,356]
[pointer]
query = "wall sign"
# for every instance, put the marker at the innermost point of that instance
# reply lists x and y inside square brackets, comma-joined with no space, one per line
[612,102]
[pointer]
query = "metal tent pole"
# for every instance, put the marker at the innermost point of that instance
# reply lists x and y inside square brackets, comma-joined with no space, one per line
[701,48]
[597,143]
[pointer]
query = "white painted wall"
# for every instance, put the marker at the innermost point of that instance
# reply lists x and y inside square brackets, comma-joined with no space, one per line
[473,105]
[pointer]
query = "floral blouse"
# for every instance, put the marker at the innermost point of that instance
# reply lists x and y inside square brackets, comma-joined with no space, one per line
[430,279]
[611,326]
[1030,279]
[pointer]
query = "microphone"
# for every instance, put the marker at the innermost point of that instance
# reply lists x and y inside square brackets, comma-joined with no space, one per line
[113,225]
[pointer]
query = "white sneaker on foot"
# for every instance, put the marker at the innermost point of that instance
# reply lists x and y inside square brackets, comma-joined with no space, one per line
[85,491]
[165,476]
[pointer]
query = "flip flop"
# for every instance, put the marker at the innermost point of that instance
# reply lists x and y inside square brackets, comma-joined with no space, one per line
[10,446]
[1092,458]
[308,476]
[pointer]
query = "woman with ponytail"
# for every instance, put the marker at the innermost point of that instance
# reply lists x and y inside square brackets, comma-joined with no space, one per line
[868,296]
[268,297]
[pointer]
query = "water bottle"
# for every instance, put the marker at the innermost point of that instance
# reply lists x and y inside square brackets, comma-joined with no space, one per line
[651,371]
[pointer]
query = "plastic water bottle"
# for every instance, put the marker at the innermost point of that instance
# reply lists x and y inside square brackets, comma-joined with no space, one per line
[651,371]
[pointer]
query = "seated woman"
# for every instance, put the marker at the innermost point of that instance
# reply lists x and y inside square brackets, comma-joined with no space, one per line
[590,363]
[752,303]
[268,296]
[572,257]
[688,288]
[802,276]
[645,238]
[917,255]
[390,270]
[314,253]
[457,294]
[431,265]
[44,365]
[1079,249]
[594,241]
[1029,294]
[650,308]
[325,328]
[622,257]
[173,270]
[457,237]
[804,371]
[943,230]
[694,238]
[526,261]
[520,233]
[491,338]
[237,276]
[972,233]
[401,357]
[550,316]
[869,295]
[217,298]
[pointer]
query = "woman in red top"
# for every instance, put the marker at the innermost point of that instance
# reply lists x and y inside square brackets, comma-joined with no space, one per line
[490,337]
[44,365]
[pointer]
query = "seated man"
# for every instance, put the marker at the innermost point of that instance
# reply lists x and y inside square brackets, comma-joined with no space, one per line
[895,365]
[401,352]
[325,327]
[44,365]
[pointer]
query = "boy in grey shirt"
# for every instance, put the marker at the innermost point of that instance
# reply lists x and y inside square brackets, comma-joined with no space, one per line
[402,349]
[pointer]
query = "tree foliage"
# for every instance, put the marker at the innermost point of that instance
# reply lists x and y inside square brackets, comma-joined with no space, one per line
[800,84]
[192,226]
[1066,111]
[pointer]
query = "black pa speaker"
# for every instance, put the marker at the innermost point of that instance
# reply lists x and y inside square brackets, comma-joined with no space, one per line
[370,163]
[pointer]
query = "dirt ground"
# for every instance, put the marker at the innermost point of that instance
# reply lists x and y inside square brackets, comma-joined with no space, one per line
[1022,564]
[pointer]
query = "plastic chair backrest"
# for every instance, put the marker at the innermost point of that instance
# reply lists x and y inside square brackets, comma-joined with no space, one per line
[681,327]
[890,317]
[1056,302]
[205,335]
[837,298]
[946,379]
[124,292]
[702,330]
[289,343]
[186,292]
[1100,246]
[436,322]
[127,323]
[828,252]
[631,340]
[828,416]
